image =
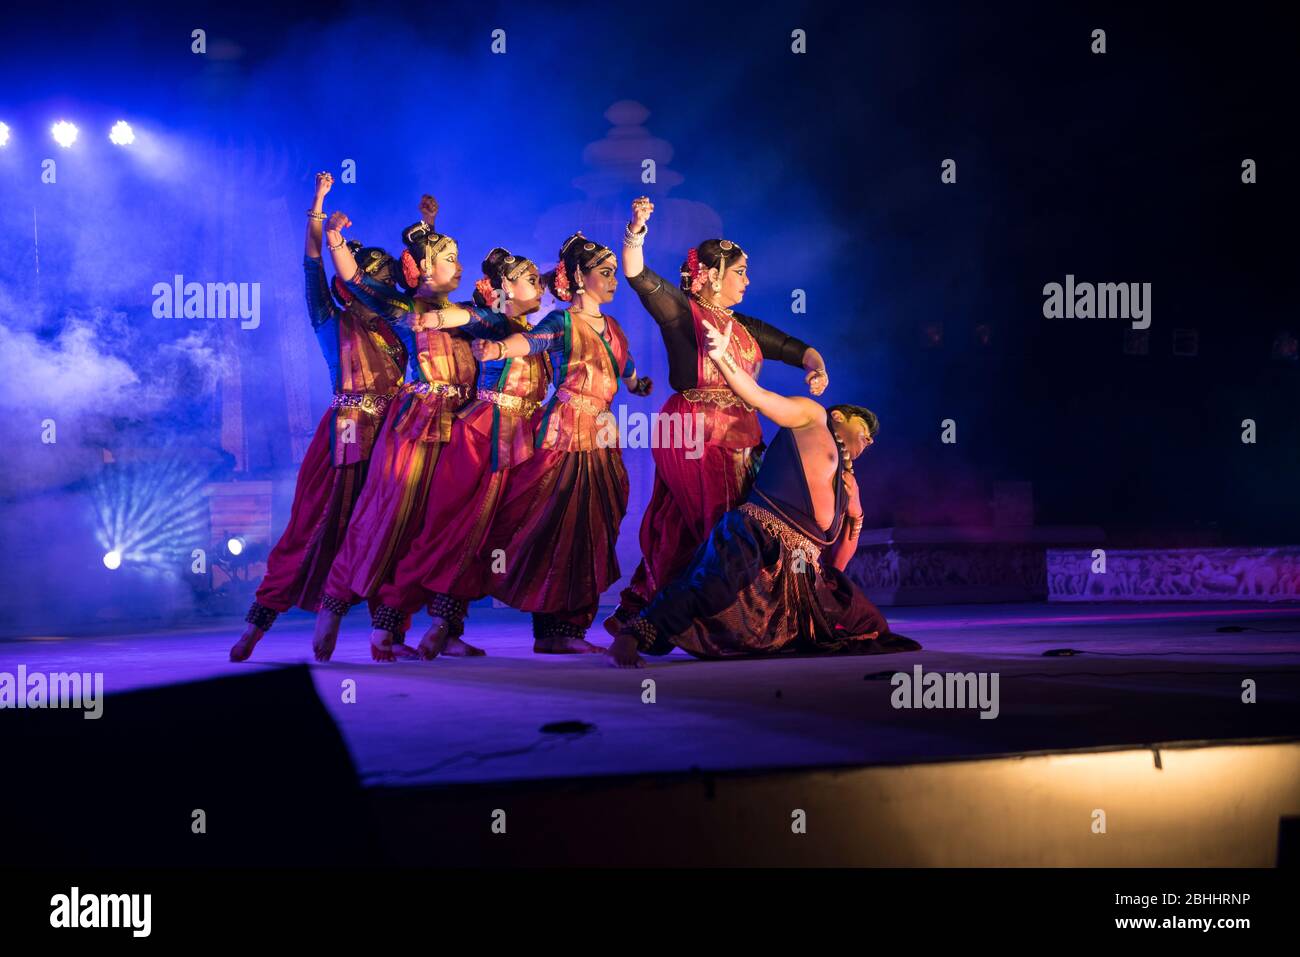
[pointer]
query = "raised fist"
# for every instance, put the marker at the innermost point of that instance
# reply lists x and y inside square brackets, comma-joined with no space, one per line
[428,208]
[641,210]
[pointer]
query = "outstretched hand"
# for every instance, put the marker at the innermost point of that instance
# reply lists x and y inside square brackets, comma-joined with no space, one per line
[487,349]
[719,340]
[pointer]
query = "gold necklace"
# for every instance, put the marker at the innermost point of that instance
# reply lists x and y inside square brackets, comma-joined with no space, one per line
[743,343]
[713,307]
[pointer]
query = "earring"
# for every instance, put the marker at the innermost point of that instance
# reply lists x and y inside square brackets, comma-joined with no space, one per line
[717,286]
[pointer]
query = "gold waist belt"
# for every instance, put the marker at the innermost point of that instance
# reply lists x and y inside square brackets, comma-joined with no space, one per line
[793,539]
[438,388]
[724,398]
[581,402]
[372,403]
[511,403]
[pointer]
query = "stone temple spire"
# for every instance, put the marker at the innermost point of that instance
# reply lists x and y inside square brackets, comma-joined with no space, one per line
[612,176]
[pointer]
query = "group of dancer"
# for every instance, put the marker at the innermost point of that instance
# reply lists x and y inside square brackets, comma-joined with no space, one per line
[466,454]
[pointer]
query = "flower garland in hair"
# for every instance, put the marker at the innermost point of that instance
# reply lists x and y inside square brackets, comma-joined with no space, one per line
[562,282]
[488,292]
[410,270]
[698,275]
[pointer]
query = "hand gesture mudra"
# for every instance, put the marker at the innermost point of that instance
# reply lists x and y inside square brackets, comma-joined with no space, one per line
[817,380]
[718,339]
[641,210]
[854,504]
[323,183]
[338,221]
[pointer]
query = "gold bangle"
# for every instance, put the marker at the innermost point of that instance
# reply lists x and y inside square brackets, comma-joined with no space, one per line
[318,217]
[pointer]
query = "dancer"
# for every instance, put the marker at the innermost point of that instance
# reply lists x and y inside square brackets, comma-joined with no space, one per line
[558,523]
[494,432]
[367,359]
[770,578]
[692,491]
[417,426]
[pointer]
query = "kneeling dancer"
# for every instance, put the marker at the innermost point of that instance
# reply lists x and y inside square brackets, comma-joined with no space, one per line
[770,578]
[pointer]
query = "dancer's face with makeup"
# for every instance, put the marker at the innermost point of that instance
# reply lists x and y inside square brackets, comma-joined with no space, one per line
[854,431]
[734,282]
[441,271]
[525,292]
[600,283]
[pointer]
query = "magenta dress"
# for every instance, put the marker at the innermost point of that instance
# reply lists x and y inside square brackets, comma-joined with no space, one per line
[444,565]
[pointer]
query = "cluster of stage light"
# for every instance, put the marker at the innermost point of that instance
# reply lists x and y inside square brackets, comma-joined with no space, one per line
[150,515]
[66,133]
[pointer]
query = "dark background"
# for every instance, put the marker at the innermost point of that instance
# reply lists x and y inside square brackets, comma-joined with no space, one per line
[1122,167]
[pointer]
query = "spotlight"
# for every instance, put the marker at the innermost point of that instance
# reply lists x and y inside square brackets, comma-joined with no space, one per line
[235,545]
[113,560]
[4,134]
[65,134]
[121,134]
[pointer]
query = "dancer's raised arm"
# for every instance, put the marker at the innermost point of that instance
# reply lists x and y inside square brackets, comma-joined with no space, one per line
[380,294]
[665,301]
[320,307]
[315,217]
[634,237]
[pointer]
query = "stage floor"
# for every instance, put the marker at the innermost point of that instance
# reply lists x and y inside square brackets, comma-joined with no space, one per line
[1149,674]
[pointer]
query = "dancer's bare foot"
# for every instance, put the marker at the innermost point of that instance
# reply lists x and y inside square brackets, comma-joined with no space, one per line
[623,652]
[402,650]
[435,640]
[246,643]
[613,624]
[565,646]
[381,645]
[326,635]
[458,647]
